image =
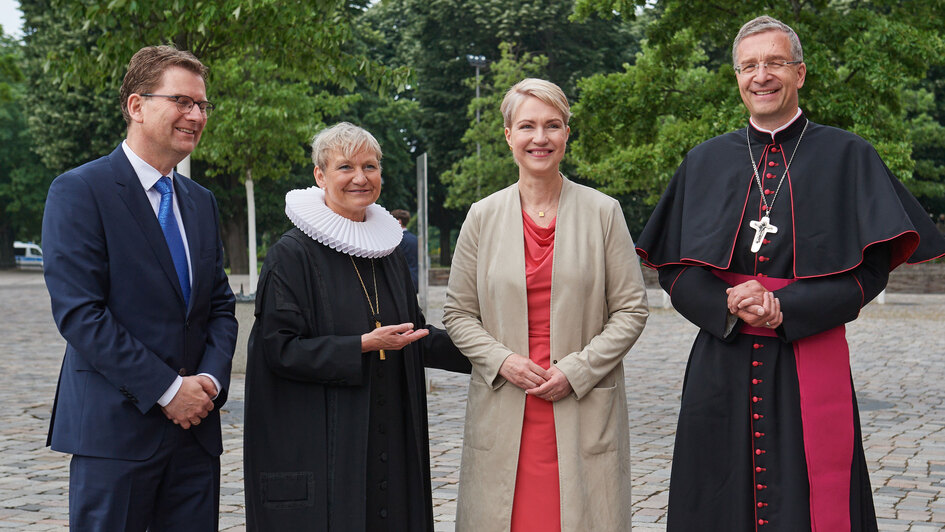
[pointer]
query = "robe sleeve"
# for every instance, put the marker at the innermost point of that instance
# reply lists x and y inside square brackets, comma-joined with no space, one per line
[285,339]
[700,297]
[440,352]
[437,349]
[811,306]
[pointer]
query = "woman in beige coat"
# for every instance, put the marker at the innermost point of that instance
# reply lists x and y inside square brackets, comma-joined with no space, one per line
[593,310]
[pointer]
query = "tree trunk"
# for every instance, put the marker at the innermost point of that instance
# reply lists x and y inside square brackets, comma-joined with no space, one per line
[234,243]
[231,200]
[445,255]
[6,247]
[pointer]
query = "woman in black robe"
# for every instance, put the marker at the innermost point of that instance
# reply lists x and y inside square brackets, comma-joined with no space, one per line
[336,420]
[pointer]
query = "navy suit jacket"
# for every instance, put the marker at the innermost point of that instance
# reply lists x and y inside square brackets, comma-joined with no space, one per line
[117,302]
[408,246]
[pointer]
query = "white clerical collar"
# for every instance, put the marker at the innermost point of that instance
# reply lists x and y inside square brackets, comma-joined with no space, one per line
[377,236]
[782,128]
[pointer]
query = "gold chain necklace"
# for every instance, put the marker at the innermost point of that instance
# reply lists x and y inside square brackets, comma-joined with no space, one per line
[376,307]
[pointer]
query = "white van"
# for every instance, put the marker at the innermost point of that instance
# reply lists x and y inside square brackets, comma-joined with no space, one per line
[28,255]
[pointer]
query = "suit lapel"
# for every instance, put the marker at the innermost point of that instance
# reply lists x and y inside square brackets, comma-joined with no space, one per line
[136,200]
[189,215]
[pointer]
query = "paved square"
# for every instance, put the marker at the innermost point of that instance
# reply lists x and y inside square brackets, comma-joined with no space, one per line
[898,359]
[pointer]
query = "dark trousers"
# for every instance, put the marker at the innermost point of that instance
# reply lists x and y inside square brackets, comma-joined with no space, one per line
[177,489]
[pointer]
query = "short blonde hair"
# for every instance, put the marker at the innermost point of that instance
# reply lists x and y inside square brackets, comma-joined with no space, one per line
[344,138]
[545,91]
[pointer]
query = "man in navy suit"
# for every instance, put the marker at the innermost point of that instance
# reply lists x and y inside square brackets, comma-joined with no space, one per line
[134,268]
[408,246]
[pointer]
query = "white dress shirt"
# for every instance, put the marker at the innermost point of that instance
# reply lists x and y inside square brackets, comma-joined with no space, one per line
[148,175]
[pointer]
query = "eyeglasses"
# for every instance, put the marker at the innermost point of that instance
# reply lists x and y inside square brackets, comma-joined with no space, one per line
[186,103]
[770,66]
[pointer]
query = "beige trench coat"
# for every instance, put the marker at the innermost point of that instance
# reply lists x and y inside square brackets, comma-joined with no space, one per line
[598,310]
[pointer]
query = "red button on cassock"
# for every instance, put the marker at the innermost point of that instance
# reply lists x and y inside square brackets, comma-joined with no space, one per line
[759,452]
[756,346]
[772,163]
[756,416]
[757,363]
[762,522]
[757,381]
[755,399]
[762,258]
[764,207]
[762,504]
[769,191]
[774,149]
[760,470]
[761,487]
[770,176]
[759,434]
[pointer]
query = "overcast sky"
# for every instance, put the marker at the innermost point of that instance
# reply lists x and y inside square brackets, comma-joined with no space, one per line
[10,17]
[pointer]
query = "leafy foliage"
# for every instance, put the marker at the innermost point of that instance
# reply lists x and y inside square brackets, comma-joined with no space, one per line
[434,37]
[637,124]
[270,62]
[478,175]
[23,179]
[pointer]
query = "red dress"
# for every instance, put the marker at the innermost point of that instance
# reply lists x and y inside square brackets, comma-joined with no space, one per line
[536,504]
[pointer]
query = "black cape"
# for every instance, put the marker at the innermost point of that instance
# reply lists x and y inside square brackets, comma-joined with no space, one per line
[843,223]
[842,196]
[335,439]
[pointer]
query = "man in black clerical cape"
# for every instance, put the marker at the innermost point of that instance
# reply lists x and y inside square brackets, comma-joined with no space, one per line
[770,239]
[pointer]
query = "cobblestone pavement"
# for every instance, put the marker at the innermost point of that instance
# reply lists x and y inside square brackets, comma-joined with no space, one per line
[898,367]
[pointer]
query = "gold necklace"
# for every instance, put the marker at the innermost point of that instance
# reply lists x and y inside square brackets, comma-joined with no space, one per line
[376,307]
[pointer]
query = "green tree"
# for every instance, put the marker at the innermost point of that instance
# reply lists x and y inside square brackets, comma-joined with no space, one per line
[638,124]
[924,105]
[69,125]
[434,38]
[23,179]
[479,174]
[266,58]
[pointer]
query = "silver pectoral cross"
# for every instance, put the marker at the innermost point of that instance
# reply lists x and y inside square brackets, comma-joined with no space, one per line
[762,228]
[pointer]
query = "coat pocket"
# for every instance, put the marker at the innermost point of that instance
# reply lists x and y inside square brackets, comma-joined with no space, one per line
[481,407]
[295,489]
[598,423]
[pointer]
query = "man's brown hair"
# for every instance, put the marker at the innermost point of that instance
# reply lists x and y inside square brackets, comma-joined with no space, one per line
[402,216]
[147,67]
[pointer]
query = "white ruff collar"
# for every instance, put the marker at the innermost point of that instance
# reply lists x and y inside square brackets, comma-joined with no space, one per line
[377,236]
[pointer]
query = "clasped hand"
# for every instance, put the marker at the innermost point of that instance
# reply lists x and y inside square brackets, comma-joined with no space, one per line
[391,337]
[755,305]
[549,384]
[193,402]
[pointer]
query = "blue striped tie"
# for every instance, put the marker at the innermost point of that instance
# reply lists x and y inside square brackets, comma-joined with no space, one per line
[172,234]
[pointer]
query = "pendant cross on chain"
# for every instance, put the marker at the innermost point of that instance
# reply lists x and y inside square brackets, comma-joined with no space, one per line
[762,228]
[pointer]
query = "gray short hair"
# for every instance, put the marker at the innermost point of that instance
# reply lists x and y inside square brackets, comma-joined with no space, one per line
[545,91]
[344,138]
[762,24]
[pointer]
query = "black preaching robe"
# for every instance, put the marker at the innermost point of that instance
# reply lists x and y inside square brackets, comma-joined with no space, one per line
[336,439]
[844,221]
